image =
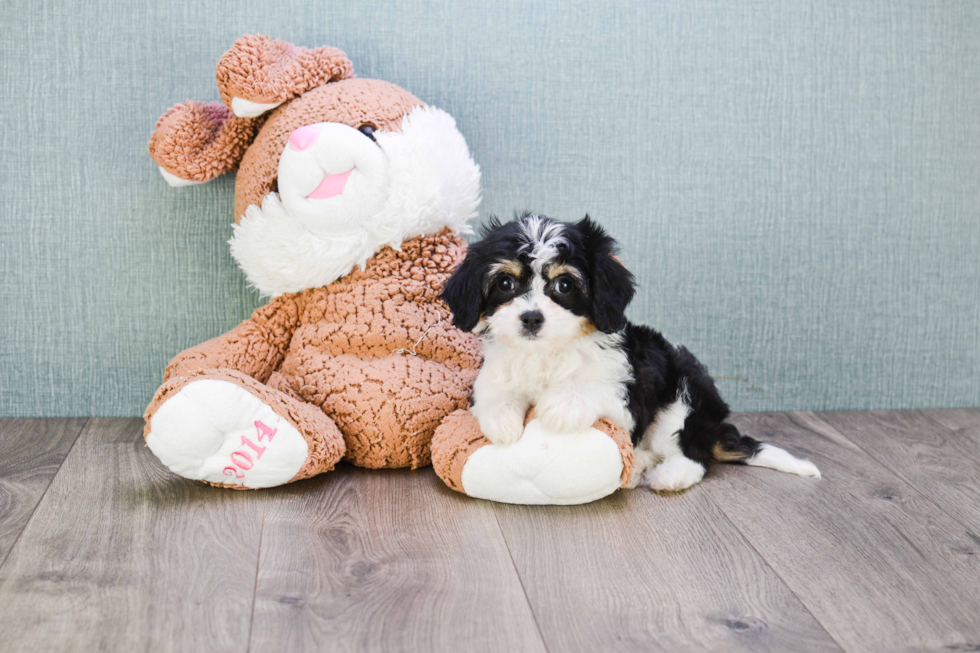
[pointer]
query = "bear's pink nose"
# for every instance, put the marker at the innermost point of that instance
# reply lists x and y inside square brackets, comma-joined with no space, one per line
[303,137]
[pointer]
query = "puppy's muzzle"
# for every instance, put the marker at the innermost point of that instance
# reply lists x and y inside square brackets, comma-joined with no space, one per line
[532,321]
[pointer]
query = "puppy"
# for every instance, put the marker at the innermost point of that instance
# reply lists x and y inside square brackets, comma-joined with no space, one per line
[548,299]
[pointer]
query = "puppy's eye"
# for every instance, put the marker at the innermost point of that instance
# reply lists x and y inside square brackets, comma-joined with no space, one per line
[367,130]
[505,283]
[563,286]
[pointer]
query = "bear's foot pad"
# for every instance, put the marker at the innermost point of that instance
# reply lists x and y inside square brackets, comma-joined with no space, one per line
[219,432]
[546,468]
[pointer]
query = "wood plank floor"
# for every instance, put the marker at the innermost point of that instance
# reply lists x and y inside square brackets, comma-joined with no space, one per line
[101,548]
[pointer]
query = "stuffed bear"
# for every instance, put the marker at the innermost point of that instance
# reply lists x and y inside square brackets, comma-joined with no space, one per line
[350,200]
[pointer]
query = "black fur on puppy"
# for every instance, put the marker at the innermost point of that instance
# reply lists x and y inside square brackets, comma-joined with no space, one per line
[549,301]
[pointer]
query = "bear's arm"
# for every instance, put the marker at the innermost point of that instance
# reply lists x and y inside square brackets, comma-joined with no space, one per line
[255,347]
[448,345]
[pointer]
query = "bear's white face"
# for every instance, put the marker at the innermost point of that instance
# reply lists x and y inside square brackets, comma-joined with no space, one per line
[333,178]
[342,197]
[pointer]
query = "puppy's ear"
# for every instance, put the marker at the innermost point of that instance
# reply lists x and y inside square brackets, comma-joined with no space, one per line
[463,292]
[612,285]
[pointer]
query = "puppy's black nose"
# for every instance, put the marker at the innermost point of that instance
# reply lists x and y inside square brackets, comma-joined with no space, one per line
[532,321]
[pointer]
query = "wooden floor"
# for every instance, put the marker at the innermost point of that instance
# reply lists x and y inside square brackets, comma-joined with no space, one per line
[101,548]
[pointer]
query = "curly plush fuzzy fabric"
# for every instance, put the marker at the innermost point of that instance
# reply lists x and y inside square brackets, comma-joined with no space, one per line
[264,70]
[364,366]
[622,440]
[199,141]
[374,351]
[453,443]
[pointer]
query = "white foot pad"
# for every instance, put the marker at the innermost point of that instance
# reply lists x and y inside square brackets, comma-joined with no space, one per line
[674,474]
[177,182]
[545,468]
[219,432]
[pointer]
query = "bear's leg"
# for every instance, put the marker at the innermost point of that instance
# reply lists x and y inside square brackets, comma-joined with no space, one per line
[225,428]
[387,408]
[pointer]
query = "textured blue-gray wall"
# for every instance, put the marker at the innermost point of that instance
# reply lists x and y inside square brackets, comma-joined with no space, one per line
[796,184]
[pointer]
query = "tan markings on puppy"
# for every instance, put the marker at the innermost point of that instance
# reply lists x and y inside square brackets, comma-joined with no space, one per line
[588,328]
[483,316]
[556,270]
[509,266]
[724,456]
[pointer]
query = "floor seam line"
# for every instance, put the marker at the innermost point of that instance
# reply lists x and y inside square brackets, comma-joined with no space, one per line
[925,413]
[765,561]
[520,580]
[898,474]
[255,586]
[45,493]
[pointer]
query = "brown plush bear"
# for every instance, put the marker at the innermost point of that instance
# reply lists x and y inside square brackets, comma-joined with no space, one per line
[350,198]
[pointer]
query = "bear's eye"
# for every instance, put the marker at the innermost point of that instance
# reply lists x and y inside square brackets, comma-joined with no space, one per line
[506,283]
[563,286]
[368,131]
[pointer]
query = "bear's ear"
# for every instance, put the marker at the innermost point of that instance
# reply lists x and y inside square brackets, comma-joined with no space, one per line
[259,73]
[195,142]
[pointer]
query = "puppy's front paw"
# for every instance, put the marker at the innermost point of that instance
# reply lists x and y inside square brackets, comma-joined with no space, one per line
[502,425]
[565,414]
[674,474]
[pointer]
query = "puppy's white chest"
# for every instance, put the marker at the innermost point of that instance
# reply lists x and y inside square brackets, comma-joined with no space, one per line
[533,371]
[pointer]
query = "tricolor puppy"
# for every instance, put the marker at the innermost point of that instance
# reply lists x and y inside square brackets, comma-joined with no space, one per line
[548,300]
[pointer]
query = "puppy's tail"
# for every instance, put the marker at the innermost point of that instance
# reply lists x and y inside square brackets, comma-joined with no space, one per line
[733,447]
